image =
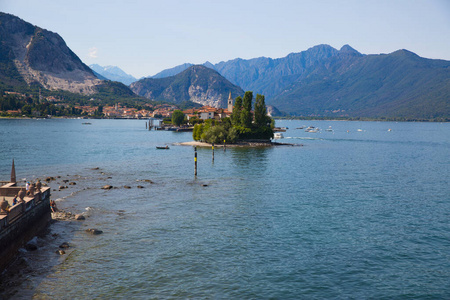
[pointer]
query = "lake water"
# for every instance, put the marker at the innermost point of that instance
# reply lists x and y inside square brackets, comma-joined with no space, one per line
[357,212]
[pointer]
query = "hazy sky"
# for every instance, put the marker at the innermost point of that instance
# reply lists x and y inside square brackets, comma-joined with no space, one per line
[144,37]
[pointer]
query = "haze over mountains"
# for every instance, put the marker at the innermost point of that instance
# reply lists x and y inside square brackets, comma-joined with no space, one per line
[321,81]
[113,73]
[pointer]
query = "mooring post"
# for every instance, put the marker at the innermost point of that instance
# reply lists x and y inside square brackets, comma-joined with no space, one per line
[224,146]
[145,124]
[195,160]
[213,152]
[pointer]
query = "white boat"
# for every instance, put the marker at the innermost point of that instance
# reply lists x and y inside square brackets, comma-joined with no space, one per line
[312,129]
[278,135]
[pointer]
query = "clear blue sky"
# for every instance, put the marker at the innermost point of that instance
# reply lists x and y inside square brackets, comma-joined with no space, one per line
[144,37]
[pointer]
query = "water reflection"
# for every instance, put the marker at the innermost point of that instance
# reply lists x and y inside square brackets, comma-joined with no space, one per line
[254,159]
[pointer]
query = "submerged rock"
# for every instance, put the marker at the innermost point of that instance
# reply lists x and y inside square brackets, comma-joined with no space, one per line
[79,217]
[64,245]
[31,246]
[94,231]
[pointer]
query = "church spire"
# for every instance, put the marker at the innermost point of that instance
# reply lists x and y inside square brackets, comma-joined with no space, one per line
[230,103]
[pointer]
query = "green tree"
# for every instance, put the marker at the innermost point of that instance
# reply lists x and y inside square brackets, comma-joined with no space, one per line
[261,118]
[246,115]
[216,134]
[197,132]
[237,108]
[177,117]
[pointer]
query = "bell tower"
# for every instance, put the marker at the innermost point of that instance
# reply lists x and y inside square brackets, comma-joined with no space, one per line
[230,103]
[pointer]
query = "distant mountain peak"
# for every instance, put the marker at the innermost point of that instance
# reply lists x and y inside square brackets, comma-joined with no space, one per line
[347,49]
[113,73]
[404,52]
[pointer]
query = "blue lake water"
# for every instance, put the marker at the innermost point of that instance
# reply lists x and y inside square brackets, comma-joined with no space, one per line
[359,212]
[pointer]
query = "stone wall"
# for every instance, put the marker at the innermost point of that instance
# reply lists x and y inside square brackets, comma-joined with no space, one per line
[16,232]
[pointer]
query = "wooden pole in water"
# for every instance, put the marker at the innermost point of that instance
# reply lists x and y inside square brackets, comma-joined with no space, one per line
[213,152]
[145,124]
[195,160]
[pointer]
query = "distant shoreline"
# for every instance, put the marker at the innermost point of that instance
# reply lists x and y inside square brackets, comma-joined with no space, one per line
[438,120]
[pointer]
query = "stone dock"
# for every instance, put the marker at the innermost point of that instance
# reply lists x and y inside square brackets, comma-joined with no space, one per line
[23,218]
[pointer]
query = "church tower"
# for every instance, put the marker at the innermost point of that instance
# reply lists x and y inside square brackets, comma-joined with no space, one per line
[230,103]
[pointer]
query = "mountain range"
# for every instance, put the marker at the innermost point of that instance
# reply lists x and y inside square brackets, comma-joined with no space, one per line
[321,81]
[197,84]
[324,81]
[112,73]
[396,85]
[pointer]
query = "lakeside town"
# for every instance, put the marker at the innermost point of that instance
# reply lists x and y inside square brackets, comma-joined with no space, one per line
[44,107]
[49,107]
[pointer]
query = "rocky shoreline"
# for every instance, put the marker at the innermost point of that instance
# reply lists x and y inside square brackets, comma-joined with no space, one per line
[238,144]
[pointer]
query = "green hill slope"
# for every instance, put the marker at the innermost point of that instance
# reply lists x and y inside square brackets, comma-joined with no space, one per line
[396,85]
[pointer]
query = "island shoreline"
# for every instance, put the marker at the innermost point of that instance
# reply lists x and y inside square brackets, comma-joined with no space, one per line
[238,144]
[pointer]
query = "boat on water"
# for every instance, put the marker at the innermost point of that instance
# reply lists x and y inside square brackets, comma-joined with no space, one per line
[162,147]
[278,135]
[312,129]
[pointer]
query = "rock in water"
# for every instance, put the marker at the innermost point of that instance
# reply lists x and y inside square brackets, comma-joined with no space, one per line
[64,245]
[107,187]
[31,247]
[79,217]
[94,231]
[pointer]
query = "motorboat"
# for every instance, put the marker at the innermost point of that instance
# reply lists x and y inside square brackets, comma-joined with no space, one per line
[278,135]
[312,129]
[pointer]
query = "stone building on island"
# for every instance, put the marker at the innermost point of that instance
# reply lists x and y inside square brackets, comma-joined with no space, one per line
[208,112]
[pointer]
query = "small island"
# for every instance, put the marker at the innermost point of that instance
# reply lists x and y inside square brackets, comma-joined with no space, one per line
[242,126]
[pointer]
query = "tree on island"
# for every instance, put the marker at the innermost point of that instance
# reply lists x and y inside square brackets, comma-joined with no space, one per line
[241,126]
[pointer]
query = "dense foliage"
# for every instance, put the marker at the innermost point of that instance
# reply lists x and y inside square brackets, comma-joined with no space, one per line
[241,125]
[177,117]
